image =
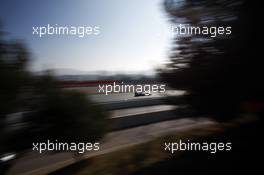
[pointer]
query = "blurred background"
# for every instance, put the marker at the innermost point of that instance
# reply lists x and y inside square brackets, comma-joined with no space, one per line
[49,86]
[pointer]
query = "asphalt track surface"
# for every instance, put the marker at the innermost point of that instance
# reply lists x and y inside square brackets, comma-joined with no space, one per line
[34,163]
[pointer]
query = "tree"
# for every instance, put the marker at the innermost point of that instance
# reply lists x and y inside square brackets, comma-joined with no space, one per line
[218,73]
[49,112]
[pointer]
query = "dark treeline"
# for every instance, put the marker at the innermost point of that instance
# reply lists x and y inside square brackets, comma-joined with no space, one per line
[222,75]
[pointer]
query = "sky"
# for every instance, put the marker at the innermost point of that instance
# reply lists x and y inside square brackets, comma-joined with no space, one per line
[134,34]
